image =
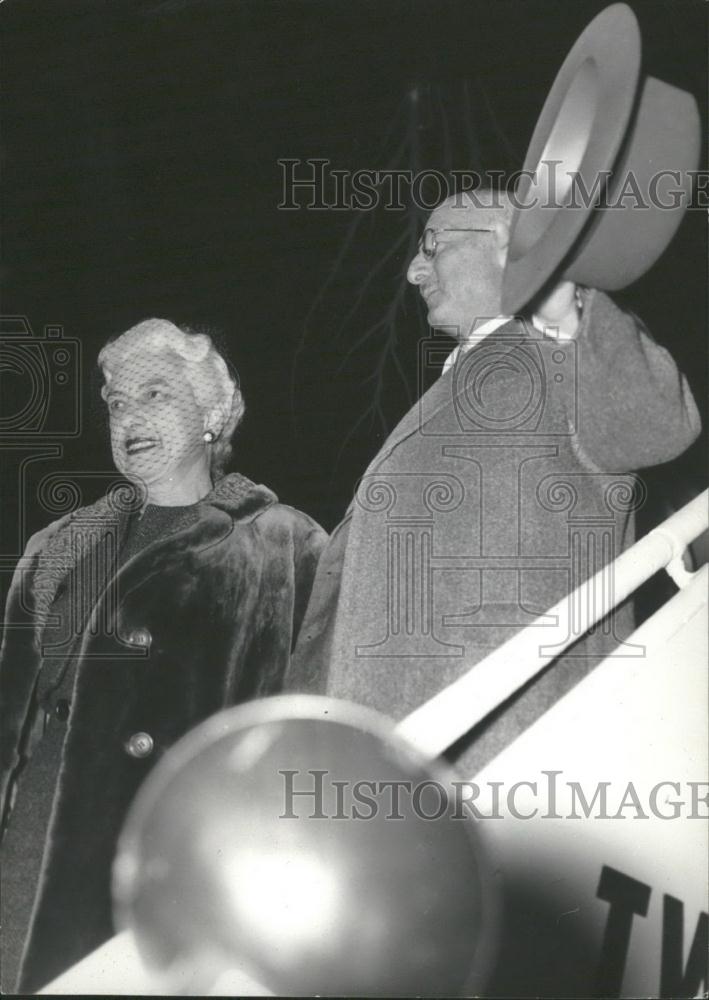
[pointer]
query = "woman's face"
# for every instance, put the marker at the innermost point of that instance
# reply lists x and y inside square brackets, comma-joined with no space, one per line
[157,427]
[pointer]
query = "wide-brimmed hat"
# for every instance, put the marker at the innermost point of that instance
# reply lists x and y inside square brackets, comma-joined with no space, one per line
[607,176]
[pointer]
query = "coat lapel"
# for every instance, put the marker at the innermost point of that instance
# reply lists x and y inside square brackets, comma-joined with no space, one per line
[101,526]
[444,392]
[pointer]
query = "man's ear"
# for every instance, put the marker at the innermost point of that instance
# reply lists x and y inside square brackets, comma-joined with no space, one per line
[501,235]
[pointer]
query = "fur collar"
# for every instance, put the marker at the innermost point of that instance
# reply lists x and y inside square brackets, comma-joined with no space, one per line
[59,547]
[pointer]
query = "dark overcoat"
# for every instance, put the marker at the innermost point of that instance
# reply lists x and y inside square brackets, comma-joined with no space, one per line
[201,619]
[506,486]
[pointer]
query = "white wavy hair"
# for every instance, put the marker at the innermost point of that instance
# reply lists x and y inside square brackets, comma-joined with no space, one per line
[213,385]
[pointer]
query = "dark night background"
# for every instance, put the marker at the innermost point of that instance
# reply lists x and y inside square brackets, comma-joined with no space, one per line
[141,141]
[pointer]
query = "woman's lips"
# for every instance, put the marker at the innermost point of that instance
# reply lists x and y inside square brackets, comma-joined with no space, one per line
[136,445]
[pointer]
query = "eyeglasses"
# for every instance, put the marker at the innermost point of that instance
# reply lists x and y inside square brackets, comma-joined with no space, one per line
[429,244]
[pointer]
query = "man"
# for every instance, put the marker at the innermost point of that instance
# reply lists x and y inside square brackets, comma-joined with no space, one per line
[505,487]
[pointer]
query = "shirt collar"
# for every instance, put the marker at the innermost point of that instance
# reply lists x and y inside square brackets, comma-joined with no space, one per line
[485,329]
[478,334]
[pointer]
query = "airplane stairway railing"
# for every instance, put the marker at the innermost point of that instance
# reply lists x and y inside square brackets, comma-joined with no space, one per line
[450,714]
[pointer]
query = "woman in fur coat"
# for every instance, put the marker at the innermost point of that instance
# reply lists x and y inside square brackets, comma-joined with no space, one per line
[128,623]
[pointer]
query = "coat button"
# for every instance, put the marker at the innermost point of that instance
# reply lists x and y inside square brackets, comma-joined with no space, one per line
[139,745]
[140,637]
[62,709]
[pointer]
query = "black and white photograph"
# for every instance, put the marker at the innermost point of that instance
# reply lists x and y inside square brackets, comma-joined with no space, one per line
[353,364]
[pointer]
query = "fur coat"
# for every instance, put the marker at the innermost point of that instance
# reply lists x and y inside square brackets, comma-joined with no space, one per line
[201,619]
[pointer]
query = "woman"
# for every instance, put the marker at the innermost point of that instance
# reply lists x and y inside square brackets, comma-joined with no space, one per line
[139,621]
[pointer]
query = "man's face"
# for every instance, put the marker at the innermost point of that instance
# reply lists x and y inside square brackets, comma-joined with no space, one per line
[461,283]
[156,425]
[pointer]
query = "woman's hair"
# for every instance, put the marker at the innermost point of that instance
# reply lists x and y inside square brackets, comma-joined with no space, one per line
[215,387]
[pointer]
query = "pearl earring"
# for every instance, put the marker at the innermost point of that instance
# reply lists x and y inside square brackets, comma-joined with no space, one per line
[208,436]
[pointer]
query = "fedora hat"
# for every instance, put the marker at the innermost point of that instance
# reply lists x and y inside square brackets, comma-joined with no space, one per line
[607,175]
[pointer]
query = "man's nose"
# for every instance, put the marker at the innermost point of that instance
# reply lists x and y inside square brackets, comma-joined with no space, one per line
[419,269]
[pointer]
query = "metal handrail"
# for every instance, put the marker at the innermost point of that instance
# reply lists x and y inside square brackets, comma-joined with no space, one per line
[450,714]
